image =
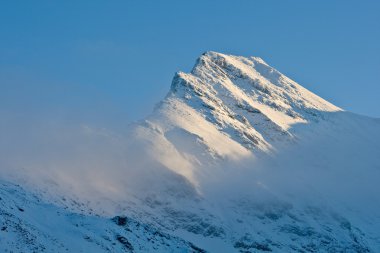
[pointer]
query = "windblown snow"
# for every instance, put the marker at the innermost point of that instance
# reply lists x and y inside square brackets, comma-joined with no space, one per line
[236,158]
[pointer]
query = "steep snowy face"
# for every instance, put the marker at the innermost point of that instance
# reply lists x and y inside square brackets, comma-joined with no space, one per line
[228,107]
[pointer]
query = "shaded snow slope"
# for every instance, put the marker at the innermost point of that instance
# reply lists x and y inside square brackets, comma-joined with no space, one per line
[28,224]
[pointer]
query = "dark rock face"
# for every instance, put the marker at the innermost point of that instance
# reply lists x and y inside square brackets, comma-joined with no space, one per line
[124,241]
[120,220]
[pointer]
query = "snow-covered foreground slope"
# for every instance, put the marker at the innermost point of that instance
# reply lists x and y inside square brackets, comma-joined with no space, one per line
[30,225]
[236,158]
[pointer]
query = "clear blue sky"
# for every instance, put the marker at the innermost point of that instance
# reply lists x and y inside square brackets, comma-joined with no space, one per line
[116,59]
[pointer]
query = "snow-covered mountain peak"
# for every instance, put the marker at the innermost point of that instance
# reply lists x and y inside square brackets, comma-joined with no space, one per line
[253,82]
[228,107]
[230,113]
[246,99]
[259,81]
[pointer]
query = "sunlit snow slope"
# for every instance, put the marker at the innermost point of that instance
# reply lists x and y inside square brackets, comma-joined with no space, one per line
[228,107]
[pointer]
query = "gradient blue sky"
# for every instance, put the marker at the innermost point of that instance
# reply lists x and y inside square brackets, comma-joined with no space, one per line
[102,60]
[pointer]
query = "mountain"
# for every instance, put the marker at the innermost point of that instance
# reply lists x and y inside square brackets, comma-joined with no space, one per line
[236,158]
[232,106]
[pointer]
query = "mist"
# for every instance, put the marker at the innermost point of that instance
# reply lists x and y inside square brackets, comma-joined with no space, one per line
[102,165]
